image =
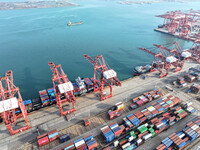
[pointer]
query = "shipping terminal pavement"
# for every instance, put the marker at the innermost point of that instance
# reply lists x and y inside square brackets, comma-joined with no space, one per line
[90,106]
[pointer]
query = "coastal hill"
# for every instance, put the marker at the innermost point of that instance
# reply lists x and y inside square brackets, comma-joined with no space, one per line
[34,4]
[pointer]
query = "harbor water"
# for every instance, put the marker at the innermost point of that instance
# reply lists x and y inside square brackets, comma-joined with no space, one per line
[30,38]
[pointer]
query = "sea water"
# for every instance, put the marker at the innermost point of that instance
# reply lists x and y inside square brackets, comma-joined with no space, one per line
[30,38]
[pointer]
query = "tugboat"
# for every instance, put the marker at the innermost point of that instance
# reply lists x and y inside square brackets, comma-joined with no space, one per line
[141,70]
[75,23]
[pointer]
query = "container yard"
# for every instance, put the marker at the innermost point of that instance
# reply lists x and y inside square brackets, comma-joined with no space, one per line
[139,104]
[157,109]
[181,24]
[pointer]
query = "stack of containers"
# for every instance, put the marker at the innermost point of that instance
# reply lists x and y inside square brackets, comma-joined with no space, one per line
[181,139]
[116,129]
[138,114]
[161,147]
[189,77]
[132,134]
[43,139]
[180,113]
[172,120]
[64,138]
[178,142]
[146,97]
[197,75]
[134,120]
[76,90]
[127,123]
[195,88]
[159,108]
[161,125]
[44,97]
[107,134]
[147,113]
[80,144]
[120,106]
[113,114]
[151,130]
[90,142]
[142,128]
[28,105]
[36,103]
[70,146]
[191,109]
[89,84]
[181,82]
[167,142]
[153,110]
[133,106]
[53,135]
[51,94]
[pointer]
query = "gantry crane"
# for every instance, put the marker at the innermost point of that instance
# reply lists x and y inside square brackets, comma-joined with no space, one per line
[63,88]
[181,22]
[10,99]
[174,51]
[107,76]
[162,60]
[195,50]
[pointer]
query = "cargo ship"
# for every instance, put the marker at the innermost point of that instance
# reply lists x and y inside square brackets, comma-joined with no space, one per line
[75,23]
[47,97]
[141,69]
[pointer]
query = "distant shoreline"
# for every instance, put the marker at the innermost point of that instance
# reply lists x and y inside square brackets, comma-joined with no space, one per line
[36,4]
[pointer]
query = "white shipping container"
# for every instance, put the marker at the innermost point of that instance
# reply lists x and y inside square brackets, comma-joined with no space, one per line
[181,136]
[104,128]
[109,74]
[145,137]
[8,104]
[79,143]
[138,141]
[194,127]
[130,138]
[116,143]
[190,109]
[158,126]
[189,104]
[126,145]
[65,87]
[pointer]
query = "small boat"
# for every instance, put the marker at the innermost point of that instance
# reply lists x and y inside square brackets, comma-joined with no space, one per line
[75,23]
[142,69]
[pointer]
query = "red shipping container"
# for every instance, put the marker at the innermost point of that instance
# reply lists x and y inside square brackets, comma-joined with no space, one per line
[43,141]
[41,136]
[138,114]
[142,134]
[53,131]
[143,119]
[161,147]
[135,99]
[81,147]
[54,138]
[154,120]
[92,146]
[107,148]
[165,114]
[123,142]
